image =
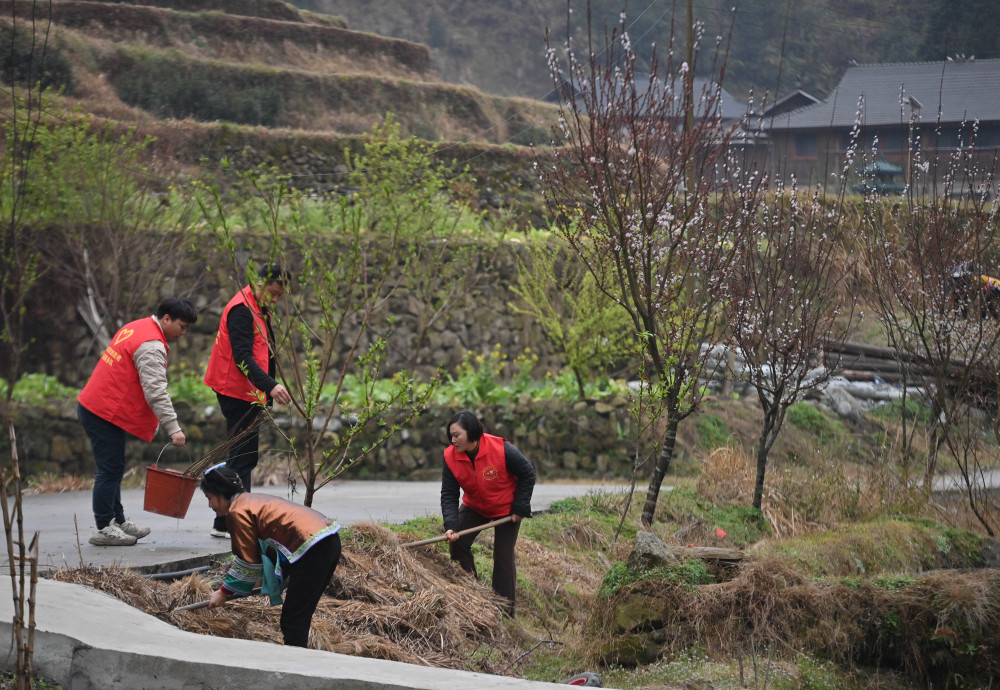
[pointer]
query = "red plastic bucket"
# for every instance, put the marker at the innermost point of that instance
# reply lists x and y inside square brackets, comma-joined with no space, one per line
[168,492]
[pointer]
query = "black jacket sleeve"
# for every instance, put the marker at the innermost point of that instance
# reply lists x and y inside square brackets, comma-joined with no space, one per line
[449,499]
[520,467]
[240,325]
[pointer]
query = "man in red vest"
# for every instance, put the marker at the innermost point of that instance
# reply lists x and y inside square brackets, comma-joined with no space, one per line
[496,481]
[241,371]
[127,394]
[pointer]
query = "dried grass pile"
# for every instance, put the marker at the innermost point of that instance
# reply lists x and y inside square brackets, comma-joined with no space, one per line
[793,502]
[931,627]
[385,602]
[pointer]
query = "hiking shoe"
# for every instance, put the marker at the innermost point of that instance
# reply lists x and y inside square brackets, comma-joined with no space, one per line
[132,529]
[219,534]
[112,536]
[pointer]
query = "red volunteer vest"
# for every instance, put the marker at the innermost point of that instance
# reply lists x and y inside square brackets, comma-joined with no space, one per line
[222,375]
[487,488]
[114,392]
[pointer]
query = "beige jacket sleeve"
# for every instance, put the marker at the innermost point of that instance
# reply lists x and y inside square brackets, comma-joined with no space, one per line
[151,362]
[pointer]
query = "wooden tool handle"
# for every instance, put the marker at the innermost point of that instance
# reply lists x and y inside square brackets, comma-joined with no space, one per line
[434,540]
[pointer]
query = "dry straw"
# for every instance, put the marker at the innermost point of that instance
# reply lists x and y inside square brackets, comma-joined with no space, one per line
[386,602]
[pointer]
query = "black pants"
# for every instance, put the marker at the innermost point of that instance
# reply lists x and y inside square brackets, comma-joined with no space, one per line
[504,539]
[307,578]
[108,442]
[243,457]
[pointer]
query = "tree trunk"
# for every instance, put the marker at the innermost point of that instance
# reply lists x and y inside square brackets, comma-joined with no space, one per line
[660,469]
[763,447]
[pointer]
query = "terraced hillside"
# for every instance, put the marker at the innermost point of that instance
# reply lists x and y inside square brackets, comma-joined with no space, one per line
[190,71]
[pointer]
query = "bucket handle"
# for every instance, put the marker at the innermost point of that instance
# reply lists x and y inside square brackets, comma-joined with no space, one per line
[160,454]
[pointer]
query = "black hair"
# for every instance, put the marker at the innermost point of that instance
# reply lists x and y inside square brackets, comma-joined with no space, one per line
[177,308]
[274,273]
[468,421]
[222,481]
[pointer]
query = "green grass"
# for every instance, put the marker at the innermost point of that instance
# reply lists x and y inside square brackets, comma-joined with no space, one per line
[688,575]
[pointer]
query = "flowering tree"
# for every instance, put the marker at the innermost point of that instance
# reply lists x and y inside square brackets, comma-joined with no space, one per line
[928,265]
[660,208]
[791,298]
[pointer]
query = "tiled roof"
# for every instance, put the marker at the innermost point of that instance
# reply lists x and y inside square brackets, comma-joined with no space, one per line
[729,107]
[961,91]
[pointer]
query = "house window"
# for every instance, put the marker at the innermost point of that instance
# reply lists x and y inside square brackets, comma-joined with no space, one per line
[805,145]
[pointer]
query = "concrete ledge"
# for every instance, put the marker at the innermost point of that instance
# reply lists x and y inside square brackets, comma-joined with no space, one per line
[85,639]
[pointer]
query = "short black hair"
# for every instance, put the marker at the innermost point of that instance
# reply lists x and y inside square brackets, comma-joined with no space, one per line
[177,308]
[468,421]
[274,273]
[222,481]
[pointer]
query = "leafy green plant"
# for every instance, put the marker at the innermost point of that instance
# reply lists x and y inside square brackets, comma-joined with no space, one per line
[475,380]
[36,389]
[190,387]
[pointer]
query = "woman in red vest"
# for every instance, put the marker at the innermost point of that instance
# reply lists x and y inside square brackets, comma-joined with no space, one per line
[496,480]
[241,370]
[127,394]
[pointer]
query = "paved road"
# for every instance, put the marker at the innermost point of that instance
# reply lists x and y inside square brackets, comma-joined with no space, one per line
[176,544]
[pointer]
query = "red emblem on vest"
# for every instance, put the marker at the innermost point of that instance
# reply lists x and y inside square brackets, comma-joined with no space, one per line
[489,472]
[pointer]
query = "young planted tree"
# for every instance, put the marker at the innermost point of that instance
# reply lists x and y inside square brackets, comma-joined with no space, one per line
[659,209]
[792,298]
[562,298]
[331,328]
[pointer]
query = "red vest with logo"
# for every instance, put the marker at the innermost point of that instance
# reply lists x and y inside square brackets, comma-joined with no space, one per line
[487,488]
[223,375]
[114,392]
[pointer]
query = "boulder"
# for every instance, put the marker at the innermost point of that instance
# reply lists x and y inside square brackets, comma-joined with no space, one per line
[649,552]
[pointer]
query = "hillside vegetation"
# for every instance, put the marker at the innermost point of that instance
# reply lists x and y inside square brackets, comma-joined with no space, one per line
[255,73]
[500,47]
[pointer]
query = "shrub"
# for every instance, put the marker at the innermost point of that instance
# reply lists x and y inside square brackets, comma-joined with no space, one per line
[810,419]
[24,61]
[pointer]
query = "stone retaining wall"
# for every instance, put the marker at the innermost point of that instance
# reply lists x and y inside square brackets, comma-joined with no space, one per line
[587,439]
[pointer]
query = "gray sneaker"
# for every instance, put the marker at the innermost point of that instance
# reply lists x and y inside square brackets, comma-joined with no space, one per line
[112,536]
[132,529]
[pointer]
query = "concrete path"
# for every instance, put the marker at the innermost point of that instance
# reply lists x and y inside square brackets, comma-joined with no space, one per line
[88,640]
[65,521]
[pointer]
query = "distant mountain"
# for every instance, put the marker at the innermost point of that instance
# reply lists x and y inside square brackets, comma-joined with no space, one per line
[772,45]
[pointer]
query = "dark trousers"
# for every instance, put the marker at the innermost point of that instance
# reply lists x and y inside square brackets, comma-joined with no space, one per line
[307,579]
[243,456]
[108,443]
[504,539]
